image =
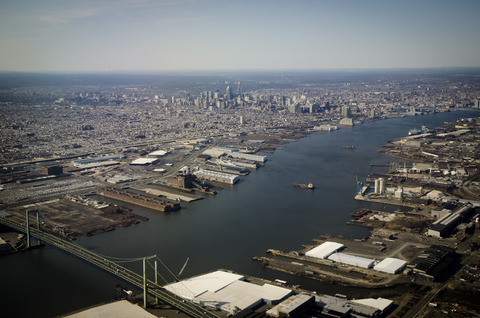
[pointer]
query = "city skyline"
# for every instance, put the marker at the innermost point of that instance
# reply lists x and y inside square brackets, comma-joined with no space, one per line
[225,35]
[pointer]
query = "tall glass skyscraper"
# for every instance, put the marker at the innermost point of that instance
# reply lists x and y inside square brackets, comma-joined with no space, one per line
[229,93]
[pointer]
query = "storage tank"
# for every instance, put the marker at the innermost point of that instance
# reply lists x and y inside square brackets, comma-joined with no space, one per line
[377,186]
[382,186]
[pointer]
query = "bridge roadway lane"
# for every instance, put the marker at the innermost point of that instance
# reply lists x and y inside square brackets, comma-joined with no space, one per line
[156,290]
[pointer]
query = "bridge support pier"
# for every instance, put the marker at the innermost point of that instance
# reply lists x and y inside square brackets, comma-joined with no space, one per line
[156,280]
[27,217]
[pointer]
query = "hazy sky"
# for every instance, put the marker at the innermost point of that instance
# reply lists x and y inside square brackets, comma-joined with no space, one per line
[94,35]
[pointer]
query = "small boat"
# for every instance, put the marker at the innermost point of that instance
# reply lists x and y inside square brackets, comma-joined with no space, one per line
[348,147]
[304,186]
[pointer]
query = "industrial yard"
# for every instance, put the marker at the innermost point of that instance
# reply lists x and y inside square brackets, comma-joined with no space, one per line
[78,216]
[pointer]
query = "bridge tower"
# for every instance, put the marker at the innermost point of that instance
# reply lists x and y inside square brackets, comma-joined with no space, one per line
[28,225]
[145,280]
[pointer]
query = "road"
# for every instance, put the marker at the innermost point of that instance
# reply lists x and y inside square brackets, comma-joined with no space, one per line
[156,290]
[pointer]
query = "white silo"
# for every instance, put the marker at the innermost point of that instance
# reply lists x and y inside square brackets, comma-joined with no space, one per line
[377,186]
[382,186]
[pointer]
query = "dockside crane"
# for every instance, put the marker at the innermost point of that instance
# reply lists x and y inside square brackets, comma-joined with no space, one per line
[359,186]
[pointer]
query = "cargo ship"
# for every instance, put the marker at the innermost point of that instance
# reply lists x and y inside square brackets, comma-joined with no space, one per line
[304,186]
[348,147]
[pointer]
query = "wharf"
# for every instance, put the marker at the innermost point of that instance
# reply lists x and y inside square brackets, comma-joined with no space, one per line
[139,199]
[384,201]
[169,194]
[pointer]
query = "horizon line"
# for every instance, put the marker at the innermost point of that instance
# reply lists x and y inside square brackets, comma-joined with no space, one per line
[244,70]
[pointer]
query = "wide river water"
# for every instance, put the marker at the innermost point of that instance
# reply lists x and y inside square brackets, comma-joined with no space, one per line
[262,211]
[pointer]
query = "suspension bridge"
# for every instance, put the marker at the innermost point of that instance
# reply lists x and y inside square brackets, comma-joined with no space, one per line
[111,265]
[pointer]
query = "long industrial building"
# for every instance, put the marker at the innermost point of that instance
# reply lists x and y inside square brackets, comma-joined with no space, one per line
[390,265]
[220,151]
[227,292]
[216,176]
[325,250]
[352,260]
[444,226]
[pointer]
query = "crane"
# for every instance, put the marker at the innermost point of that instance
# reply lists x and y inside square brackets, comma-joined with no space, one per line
[359,186]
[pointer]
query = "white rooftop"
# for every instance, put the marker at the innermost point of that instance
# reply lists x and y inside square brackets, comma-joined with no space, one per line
[324,250]
[143,161]
[351,260]
[158,153]
[390,265]
[118,309]
[380,303]
[226,291]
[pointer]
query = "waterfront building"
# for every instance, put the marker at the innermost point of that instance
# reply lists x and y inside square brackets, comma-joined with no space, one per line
[325,250]
[216,176]
[390,265]
[227,292]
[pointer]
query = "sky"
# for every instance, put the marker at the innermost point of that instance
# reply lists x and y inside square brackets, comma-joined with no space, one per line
[113,35]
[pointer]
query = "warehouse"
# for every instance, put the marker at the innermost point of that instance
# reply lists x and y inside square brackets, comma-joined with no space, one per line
[325,250]
[216,176]
[227,292]
[247,156]
[143,161]
[390,265]
[351,260]
[158,154]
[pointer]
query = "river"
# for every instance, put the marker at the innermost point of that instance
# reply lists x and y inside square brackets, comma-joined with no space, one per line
[224,231]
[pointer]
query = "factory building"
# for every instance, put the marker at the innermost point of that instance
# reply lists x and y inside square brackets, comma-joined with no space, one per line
[434,263]
[216,176]
[445,225]
[181,180]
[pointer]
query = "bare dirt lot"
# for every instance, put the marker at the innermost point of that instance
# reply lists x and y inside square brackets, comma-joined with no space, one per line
[82,219]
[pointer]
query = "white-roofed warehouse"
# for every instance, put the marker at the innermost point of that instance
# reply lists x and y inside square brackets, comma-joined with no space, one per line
[390,265]
[324,250]
[227,291]
[351,260]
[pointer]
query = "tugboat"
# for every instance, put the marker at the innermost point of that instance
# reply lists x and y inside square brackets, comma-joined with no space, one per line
[304,186]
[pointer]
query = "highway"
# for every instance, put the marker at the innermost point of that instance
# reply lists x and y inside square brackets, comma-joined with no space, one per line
[133,278]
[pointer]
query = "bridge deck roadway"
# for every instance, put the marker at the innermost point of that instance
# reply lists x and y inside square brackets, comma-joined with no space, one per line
[156,290]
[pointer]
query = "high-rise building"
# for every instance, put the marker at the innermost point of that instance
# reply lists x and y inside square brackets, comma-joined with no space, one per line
[239,88]
[241,120]
[346,111]
[229,93]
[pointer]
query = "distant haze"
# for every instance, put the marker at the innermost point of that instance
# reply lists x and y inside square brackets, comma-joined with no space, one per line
[107,35]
